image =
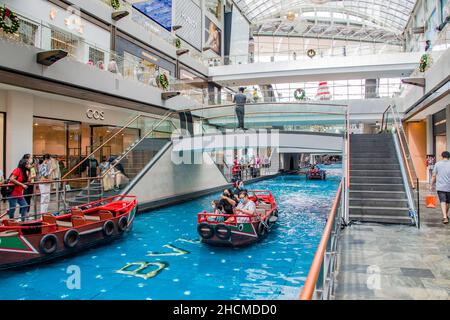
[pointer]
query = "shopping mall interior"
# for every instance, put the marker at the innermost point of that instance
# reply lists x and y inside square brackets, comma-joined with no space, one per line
[122,122]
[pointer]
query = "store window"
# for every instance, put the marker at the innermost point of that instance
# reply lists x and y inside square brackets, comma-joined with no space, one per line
[440,132]
[64,41]
[214,7]
[27,33]
[100,133]
[61,138]
[96,56]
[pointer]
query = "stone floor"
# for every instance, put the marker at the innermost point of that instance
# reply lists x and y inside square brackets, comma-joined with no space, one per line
[395,262]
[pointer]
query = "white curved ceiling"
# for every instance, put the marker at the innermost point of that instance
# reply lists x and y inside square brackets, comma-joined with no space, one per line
[389,17]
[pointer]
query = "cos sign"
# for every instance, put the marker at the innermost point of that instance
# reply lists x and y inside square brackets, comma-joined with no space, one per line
[95,114]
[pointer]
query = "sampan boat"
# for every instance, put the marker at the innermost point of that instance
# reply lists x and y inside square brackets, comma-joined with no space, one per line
[36,241]
[239,229]
[316,174]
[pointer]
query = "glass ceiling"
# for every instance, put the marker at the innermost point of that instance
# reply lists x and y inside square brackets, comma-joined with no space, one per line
[284,16]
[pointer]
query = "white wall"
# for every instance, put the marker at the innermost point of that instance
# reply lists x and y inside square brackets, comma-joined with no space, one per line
[19,127]
[166,179]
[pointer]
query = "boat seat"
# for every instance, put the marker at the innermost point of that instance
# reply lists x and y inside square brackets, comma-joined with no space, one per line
[264,205]
[77,211]
[260,211]
[48,218]
[10,223]
[91,218]
[64,224]
[105,214]
[78,221]
[9,233]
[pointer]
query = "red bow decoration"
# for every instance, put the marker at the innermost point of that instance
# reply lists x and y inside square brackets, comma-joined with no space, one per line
[7,12]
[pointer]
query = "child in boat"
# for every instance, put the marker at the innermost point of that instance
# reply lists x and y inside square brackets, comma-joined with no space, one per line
[217,209]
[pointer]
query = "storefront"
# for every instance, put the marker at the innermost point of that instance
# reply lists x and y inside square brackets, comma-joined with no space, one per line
[68,128]
[142,63]
[440,132]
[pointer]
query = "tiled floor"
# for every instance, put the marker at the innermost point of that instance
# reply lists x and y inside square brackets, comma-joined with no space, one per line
[395,262]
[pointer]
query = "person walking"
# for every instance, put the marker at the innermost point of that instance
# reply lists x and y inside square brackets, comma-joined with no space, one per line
[441,176]
[240,99]
[19,177]
[45,174]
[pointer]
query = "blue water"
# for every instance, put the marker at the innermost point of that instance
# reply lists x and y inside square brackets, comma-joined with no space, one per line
[275,268]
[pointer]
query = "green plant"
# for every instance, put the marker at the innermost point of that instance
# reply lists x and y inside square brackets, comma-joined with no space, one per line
[115,4]
[163,81]
[424,62]
[9,22]
[177,43]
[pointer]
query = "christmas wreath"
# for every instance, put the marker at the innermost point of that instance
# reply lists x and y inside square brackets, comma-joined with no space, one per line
[311,53]
[177,43]
[115,4]
[299,94]
[9,22]
[424,62]
[163,81]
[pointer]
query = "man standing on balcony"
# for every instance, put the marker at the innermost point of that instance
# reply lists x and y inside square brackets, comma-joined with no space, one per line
[240,99]
[441,176]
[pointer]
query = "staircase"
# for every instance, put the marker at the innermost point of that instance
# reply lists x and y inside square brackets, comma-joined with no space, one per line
[377,192]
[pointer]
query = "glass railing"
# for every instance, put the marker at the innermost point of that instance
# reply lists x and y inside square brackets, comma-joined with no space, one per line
[391,123]
[305,55]
[305,93]
[299,116]
[149,26]
[38,33]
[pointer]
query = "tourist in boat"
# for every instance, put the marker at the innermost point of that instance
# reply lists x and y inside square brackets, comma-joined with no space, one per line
[19,177]
[44,188]
[227,202]
[245,206]
[238,188]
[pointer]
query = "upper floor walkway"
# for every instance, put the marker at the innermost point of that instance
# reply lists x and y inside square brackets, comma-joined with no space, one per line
[373,66]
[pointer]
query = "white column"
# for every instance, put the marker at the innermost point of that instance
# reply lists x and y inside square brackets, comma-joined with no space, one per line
[19,127]
[430,138]
[447,125]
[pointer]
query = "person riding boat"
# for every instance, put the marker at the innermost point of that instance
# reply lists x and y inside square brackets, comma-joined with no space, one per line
[238,188]
[227,202]
[245,206]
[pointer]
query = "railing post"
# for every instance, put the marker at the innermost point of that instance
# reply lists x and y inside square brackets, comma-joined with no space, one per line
[57,197]
[35,202]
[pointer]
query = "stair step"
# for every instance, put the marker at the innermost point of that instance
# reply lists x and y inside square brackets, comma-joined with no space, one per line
[375,173]
[366,179]
[373,155]
[365,194]
[378,202]
[375,166]
[377,186]
[364,160]
[381,219]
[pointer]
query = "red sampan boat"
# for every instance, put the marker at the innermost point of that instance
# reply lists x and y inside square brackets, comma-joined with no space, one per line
[29,242]
[239,229]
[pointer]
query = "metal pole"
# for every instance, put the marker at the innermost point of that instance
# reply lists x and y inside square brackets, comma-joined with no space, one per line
[57,197]
[35,202]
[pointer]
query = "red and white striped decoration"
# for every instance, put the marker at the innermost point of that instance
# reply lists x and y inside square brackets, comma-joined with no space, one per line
[323,92]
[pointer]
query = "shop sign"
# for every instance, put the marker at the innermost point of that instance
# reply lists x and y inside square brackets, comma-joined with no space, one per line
[95,114]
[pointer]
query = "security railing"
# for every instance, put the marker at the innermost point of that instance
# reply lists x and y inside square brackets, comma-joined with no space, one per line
[391,123]
[151,27]
[305,54]
[319,284]
[38,33]
[326,91]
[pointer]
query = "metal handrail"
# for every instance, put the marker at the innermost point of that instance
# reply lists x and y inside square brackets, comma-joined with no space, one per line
[310,285]
[112,137]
